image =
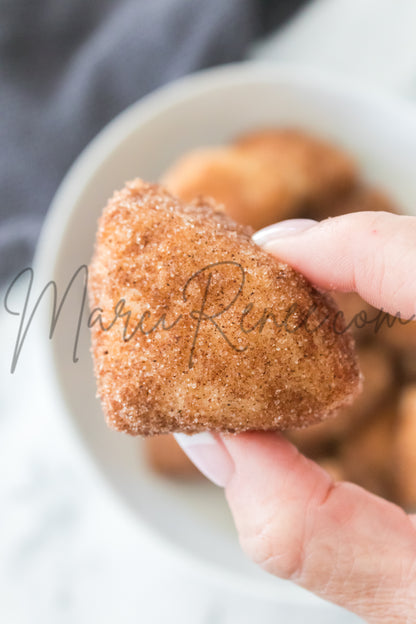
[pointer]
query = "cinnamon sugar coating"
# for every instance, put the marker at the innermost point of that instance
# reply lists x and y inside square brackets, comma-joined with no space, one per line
[218,334]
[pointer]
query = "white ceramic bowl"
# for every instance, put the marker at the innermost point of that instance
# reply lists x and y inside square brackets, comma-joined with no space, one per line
[207,108]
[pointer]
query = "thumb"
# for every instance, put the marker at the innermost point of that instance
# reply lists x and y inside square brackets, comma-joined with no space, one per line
[335,539]
[371,253]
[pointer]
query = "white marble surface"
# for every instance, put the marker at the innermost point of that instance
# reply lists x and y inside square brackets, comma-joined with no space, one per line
[66,553]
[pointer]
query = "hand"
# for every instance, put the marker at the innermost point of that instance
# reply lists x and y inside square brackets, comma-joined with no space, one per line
[335,539]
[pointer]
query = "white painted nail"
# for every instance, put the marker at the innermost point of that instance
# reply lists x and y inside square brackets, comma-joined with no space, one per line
[290,227]
[209,455]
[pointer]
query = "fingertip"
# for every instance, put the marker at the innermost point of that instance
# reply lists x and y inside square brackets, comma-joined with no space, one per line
[207,452]
[363,252]
[290,227]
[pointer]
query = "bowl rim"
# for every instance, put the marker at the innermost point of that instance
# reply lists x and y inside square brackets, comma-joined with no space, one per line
[59,215]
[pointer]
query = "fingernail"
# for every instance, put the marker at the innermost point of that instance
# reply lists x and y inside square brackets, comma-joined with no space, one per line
[209,455]
[290,227]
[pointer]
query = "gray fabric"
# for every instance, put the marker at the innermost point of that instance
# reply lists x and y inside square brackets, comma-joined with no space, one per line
[68,66]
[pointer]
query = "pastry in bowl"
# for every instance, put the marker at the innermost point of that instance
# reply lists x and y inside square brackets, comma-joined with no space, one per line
[265,176]
[195,327]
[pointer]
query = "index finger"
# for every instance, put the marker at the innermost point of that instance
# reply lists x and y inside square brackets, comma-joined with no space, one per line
[371,253]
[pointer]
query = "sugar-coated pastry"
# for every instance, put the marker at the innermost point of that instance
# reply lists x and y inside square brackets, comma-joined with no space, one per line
[407,365]
[360,317]
[379,380]
[368,456]
[195,327]
[318,171]
[166,457]
[405,448]
[265,176]
[358,198]
[370,324]
[399,334]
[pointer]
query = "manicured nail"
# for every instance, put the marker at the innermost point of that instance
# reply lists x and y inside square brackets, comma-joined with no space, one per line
[209,455]
[290,227]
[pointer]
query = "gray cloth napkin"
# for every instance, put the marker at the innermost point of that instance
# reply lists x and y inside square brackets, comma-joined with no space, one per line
[68,67]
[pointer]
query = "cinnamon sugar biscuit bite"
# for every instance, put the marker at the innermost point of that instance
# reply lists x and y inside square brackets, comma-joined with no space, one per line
[265,176]
[360,198]
[378,386]
[367,456]
[318,171]
[195,327]
[405,448]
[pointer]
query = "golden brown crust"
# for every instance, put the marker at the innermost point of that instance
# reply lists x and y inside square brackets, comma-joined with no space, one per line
[405,448]
[358,198]
[406,361]
[400,335]
[360,317]
[152,252]
[264,176]
[378,385]
[317,171]
[367,457]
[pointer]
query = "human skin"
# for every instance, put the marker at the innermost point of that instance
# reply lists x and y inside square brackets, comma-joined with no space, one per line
[335,539]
